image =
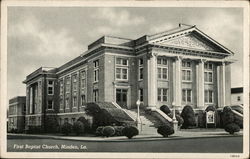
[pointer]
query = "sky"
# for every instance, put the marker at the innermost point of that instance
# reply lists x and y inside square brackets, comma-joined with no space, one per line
[51,36]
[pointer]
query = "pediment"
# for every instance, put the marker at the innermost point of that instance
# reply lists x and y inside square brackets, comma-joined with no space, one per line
[189,41]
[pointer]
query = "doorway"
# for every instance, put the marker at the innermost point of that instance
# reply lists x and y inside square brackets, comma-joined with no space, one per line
[121,97]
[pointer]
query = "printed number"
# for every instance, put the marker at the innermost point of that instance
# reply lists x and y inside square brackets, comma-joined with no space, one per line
[234,155]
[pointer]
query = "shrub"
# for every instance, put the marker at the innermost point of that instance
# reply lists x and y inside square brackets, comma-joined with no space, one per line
[66,128]
[188,116]
[98,131]
[238,120]
[78,128]
[118,130]
[179,119]
[130,131]
[165,130]
[52,124]
[165,109]
[34,129]
[108,131]
[232,128]
[86,124]
[228,116]
[201,119]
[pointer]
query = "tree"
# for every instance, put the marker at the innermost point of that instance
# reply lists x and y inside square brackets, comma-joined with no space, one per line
[188,116]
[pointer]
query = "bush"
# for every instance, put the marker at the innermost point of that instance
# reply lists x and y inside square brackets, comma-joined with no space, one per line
[165,130]
[166,110]
[66,128]
[179,119]
[34,129]
[98,131]
[108,131]
[119,130]
[232,128]
[130,131]
[86,124]
[238,120]
[52,124]
[188,116]
[228,116]
[78,128]
[201,119]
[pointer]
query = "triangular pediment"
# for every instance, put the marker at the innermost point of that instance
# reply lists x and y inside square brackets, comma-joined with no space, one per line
[191,38]
[189,41]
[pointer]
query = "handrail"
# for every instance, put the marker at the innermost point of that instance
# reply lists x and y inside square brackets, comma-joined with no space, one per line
[119,107]
[165,116]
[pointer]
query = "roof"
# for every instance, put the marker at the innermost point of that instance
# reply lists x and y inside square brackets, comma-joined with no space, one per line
[237,90]
[17,98]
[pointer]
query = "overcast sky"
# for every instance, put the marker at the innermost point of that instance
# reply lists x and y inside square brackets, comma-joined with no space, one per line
[43,36]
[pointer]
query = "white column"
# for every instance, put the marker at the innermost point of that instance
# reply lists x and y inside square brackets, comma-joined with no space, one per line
[152,80]
[223,85]
[31,100]
[218,86]
[177,81]
[200,84]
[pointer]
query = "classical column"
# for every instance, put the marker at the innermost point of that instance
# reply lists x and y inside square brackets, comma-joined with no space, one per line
[221,85]
[152,79]
[177,81]
[200,83]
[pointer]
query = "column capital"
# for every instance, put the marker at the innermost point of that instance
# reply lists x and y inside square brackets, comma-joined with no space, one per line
[178,58]
[151,54]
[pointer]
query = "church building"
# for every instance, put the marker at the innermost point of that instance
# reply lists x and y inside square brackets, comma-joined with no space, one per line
[178,67]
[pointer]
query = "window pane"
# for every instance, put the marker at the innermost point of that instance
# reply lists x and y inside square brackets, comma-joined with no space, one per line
[165,62]
[188,75]
[206,96]
[124,73]
[165,94]
[188,64]
[159,72]
[118,73]
[184,95]
[141,73]
[210,77]
[188,95]
[165,75]
[124,62]
[159,94]
[183,75]
[118,61]
[159,61]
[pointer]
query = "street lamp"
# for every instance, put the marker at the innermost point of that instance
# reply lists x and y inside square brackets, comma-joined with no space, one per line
[138,120]
[175,122]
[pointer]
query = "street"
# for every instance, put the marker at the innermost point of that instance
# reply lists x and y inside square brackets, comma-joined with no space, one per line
[199,145]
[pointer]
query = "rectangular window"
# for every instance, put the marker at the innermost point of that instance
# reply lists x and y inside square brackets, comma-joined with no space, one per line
[83,99]
[186,71]
[186,95]
[96,70]
[83,79]
[208,66]
[74,82]
[50,87]
[162,68]
[162,94]
[121,61]
[74,101]
[208,76]
[186,74]
[96,95]
[67,103]
[209,96]
[141,94]
[121,70]
[68,84]
[50,104]
[61,102]
[61,87]
[140,69]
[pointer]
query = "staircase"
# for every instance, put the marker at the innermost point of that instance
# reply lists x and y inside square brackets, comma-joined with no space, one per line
[149,123]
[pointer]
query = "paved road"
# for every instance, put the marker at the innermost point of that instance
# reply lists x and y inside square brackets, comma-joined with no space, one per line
[202,145]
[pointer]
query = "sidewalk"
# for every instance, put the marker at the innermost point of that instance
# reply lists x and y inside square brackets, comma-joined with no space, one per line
[181,134]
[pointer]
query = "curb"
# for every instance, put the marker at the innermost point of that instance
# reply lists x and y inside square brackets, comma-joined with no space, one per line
[125,140]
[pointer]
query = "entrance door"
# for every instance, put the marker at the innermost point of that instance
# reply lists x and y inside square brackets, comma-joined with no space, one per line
[121,97]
